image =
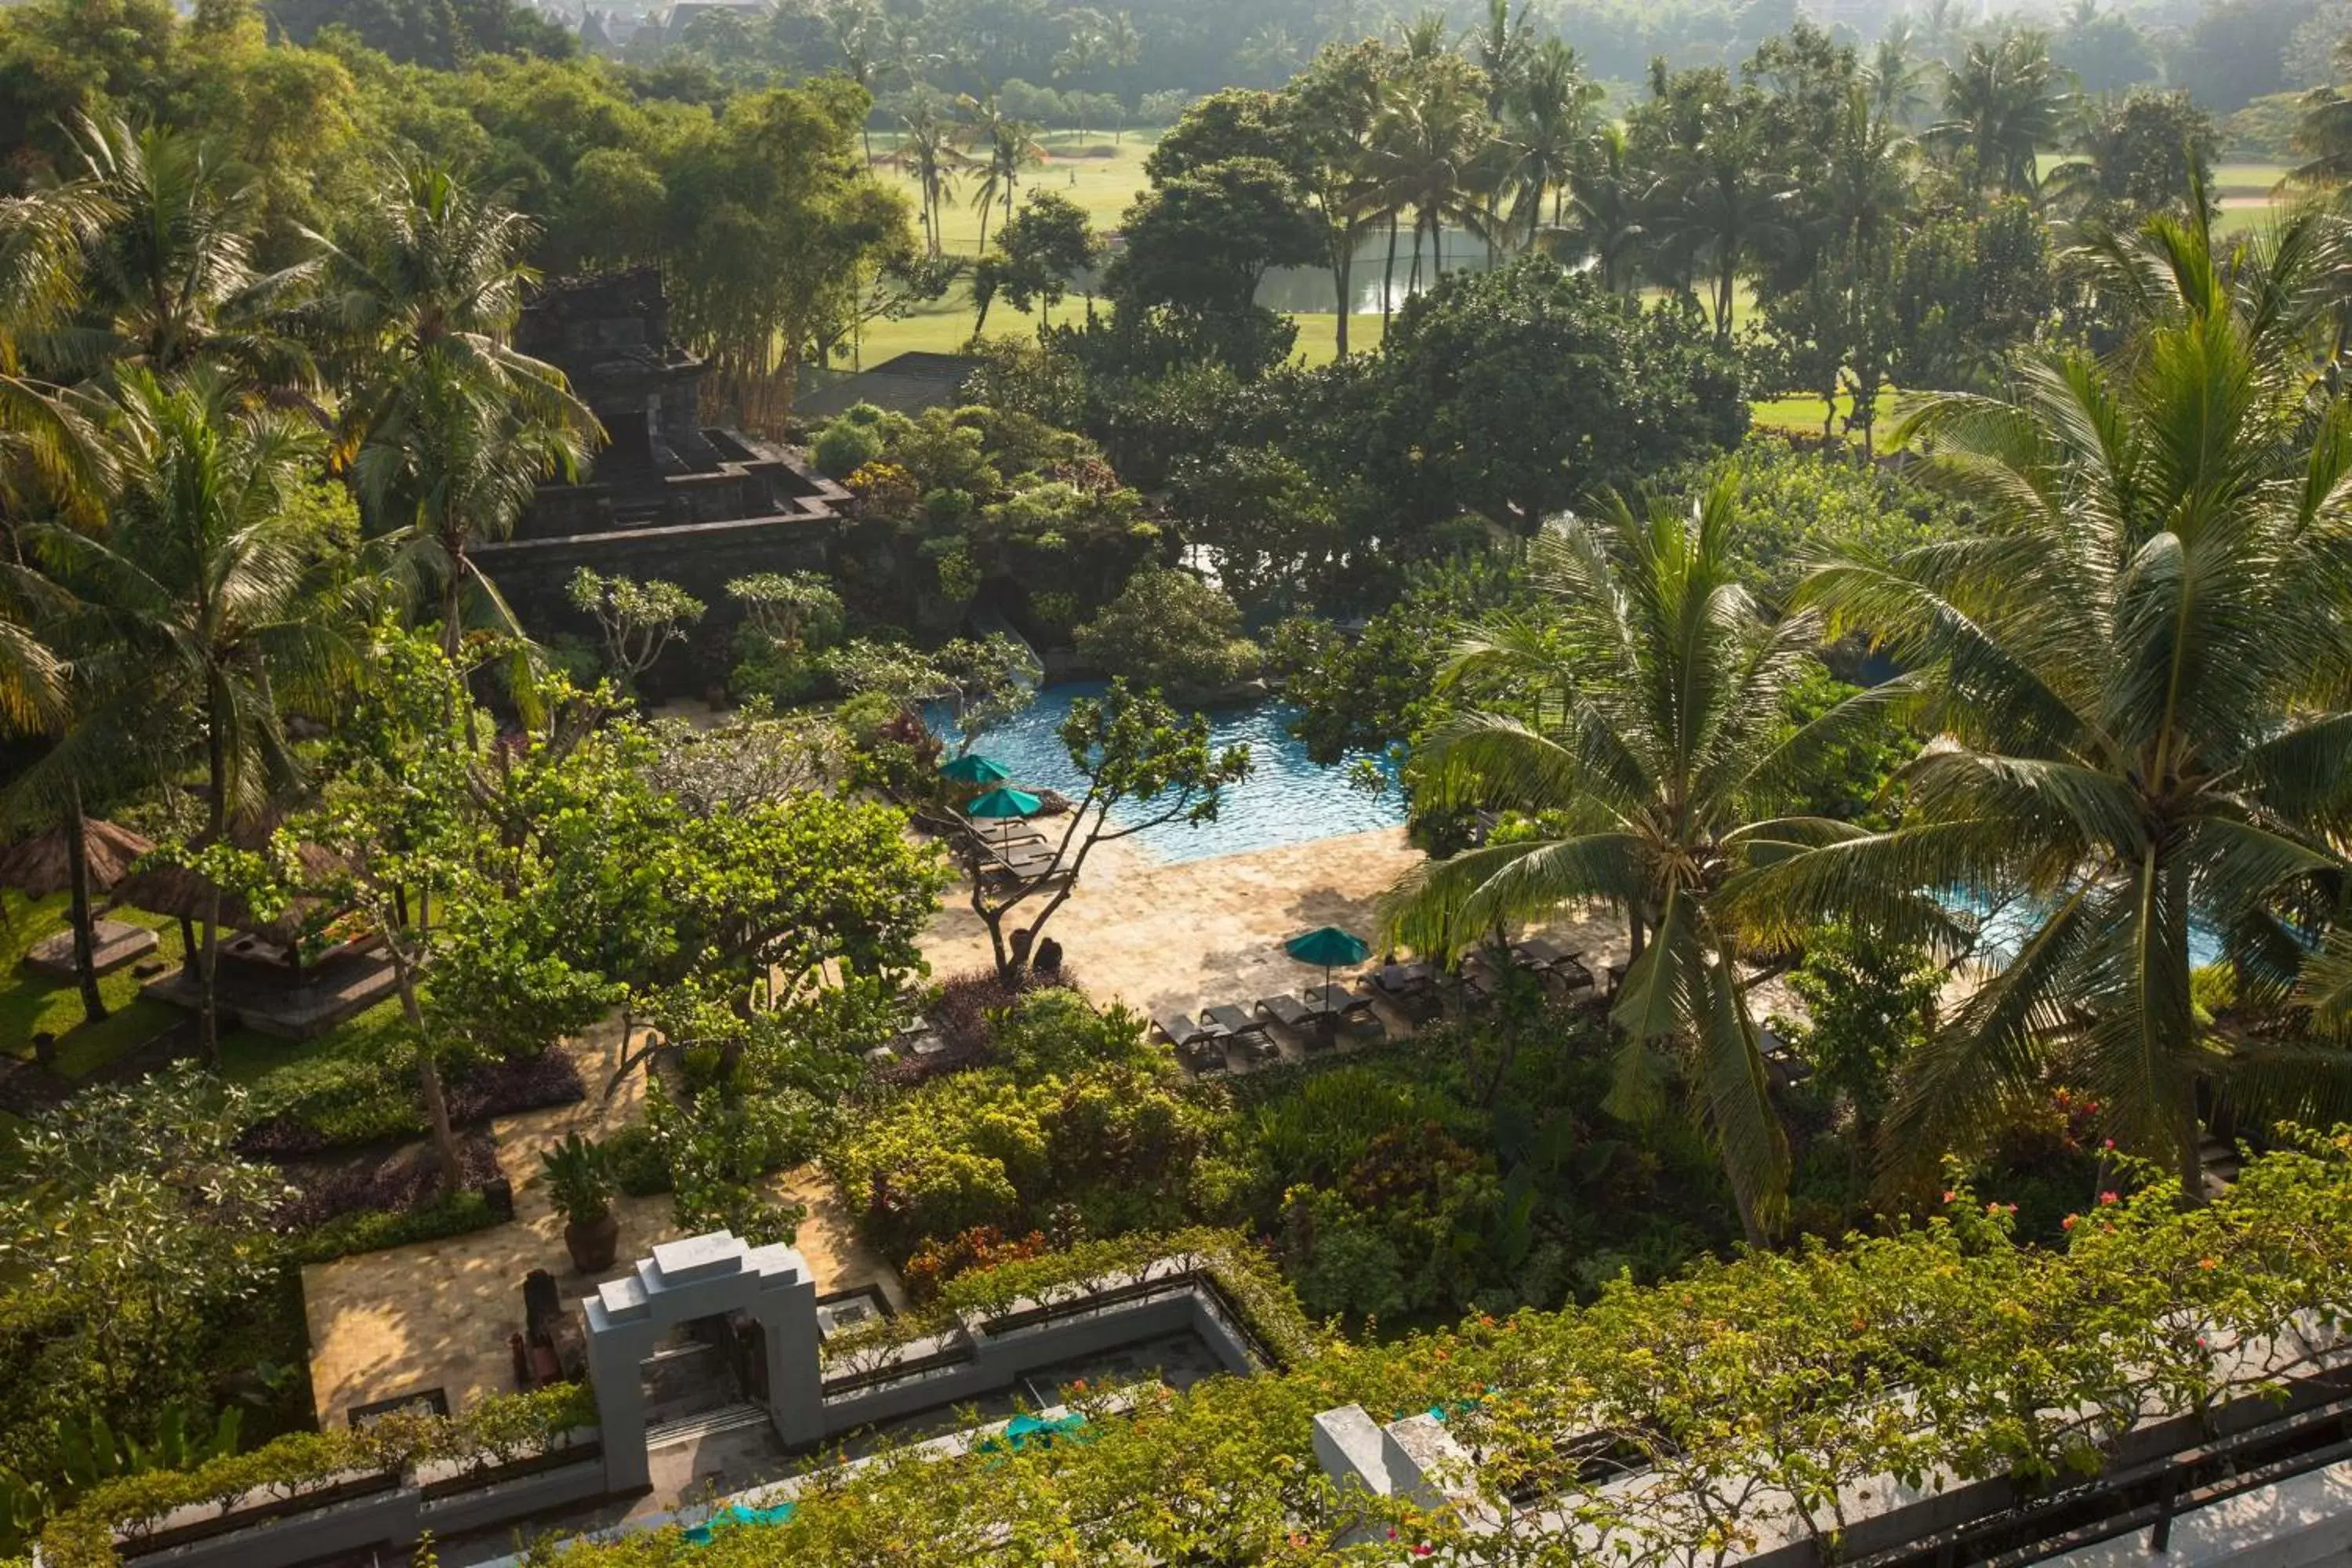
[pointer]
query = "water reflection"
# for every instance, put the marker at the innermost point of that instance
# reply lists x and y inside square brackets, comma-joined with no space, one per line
[1310,291]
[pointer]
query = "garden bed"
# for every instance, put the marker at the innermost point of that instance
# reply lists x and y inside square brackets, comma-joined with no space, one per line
[350,1100]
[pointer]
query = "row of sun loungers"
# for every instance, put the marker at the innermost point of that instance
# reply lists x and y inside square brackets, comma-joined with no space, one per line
[1317,1018]
[1322,1010]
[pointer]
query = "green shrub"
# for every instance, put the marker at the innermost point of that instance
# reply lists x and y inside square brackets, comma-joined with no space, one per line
[640,1169]
[373,1230]
[847,444]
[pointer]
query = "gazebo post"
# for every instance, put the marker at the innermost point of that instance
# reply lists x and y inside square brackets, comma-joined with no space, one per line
[187,945]
[85,938]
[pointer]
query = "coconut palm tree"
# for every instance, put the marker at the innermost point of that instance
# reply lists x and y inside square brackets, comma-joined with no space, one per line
[930,156]
[1434,153]
[1550,119]
[2137,672]
[1610,207]
[447,429]
[1659,753]
[1006,147]
[168,278]
[1896,76]
[2002,105]
[1722,203]
[207,586]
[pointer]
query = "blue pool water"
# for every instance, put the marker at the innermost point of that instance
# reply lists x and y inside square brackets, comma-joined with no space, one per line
[1287,799]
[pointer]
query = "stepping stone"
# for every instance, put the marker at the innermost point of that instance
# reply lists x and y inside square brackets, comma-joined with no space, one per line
[119,943]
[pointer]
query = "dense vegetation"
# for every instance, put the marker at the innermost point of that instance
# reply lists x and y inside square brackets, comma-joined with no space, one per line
[2022,759]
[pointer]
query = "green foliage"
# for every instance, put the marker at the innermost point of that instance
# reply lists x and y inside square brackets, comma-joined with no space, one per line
[372,1230]
[1870,1004]
[1169,631]
[500,1429]
[639,620]
[2017,1360]
[579,1181]
[1106,1135]
[129,1226]
[1796,506]
[846,445]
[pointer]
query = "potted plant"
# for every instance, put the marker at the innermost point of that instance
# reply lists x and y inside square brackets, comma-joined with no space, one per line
[580,1184]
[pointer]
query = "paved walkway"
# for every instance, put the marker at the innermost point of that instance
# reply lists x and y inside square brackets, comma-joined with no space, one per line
[437,1314]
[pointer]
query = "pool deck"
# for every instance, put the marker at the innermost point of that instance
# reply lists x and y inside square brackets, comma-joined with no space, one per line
[1184,935]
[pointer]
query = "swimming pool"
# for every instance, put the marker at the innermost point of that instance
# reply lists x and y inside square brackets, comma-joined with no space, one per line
[1287,799]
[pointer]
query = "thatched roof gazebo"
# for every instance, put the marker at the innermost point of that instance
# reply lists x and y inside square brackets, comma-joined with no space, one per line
[42,865]
[188,895]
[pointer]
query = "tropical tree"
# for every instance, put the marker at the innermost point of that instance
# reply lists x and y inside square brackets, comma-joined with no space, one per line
[1644,779]
[1609,213]
[1551,127]
[928,154]
[2002,104]
[1430,154]
[2138,672]
[454,428]
[1006,147]
[207,584]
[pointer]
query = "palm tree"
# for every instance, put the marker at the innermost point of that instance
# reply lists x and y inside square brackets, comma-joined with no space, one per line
[928,154]
[1551,126]
[452,429]
[1504,48]
[207,586]
[2138,669]
[168,277]
[2002,106]
[1660,745]
[1608,217]
[1431,154]
[1008,146]
[1722,203]
[1896,78]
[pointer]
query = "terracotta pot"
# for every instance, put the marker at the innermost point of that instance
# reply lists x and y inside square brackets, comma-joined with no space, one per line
[593,1243]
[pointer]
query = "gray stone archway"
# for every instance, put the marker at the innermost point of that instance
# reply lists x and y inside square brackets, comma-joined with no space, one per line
[701,1276]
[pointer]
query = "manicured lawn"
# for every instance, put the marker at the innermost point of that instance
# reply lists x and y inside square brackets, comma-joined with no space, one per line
[1103,187]
[1802,416]
[31,1004]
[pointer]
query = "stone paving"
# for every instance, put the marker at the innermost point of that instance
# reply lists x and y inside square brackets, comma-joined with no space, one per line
[437,1314]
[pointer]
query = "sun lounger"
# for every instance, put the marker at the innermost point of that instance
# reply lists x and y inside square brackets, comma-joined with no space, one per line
[1180,1031]
[1546,957]
[1402,980]
[1341,1002]
[1288,1011]
[1251,1034]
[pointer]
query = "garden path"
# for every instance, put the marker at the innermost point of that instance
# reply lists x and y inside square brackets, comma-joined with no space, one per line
[436,1314]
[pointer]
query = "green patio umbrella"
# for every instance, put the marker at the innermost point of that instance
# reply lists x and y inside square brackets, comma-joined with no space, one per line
[1006,803]
[1330,947]
[975,769]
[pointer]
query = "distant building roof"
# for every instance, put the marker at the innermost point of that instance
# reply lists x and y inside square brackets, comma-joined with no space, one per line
[905,385]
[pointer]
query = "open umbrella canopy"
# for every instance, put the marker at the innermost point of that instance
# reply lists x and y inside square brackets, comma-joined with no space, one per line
[975,769]
[1006,802]
[42,865]
[1328,946]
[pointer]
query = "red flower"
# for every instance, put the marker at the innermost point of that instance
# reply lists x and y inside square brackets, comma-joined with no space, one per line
[2107,1144]
[2109,1198]
[1949,1196]
[2066,1224]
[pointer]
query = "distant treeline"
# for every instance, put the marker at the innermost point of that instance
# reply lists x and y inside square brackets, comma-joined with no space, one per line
[2226,53]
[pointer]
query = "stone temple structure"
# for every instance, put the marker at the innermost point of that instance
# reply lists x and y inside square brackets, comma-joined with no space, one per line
[669,497]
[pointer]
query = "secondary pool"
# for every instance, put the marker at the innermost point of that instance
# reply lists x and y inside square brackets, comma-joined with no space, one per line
[1287,799]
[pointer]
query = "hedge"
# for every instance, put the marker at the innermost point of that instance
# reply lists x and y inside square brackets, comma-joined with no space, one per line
[497,1430]
[1248,1279]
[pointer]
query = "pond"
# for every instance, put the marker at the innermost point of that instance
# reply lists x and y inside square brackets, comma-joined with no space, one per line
[1287,798]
